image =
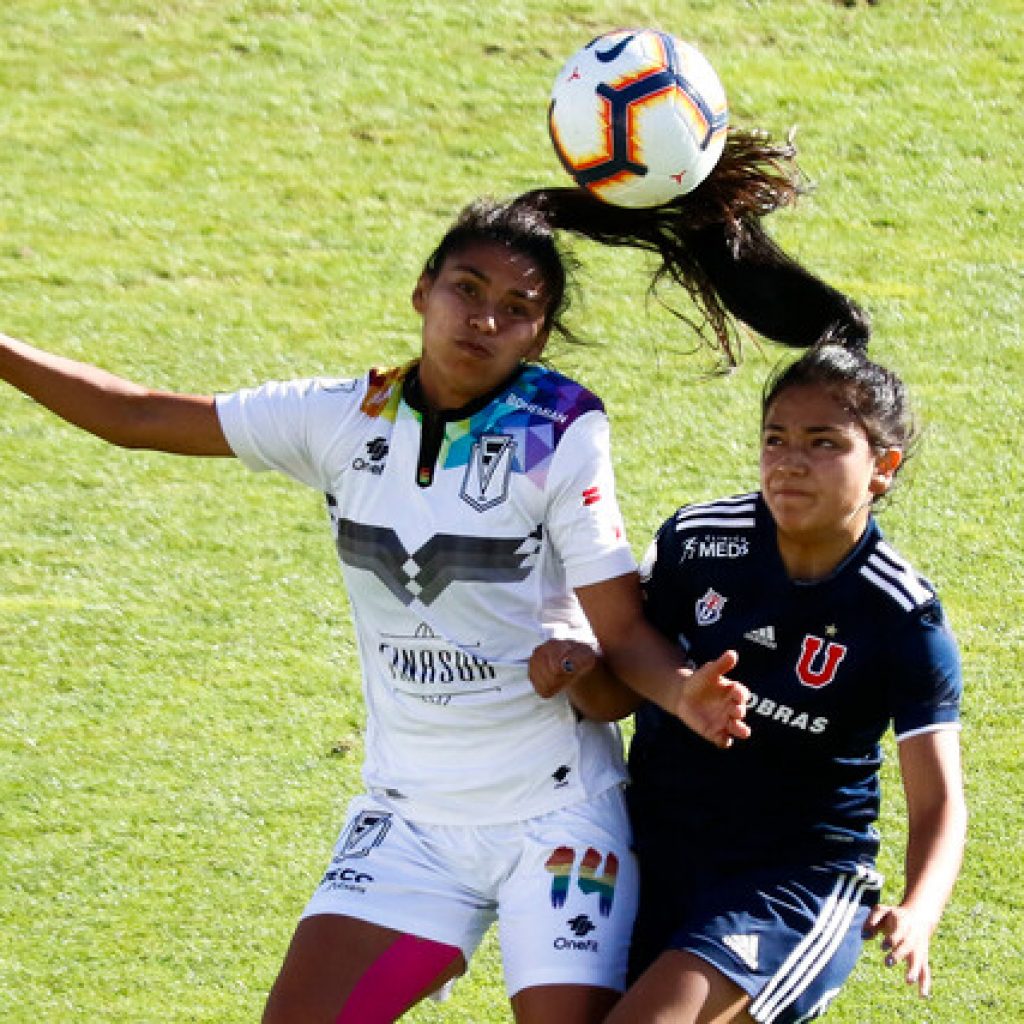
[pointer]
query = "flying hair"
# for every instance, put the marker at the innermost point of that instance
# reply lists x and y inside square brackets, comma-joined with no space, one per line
[710,243]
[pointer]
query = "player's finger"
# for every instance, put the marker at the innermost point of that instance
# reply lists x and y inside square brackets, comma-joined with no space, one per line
[876,922]
[738,728]
[725,662]
[925,982]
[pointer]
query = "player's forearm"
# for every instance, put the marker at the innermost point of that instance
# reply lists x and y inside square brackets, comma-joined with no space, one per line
[651,667]
[84,395]
[601,695]
[935,847]
[112,408]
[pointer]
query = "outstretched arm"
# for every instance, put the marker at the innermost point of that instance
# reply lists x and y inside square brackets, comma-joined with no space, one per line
[636,653]
[937,826]
[111,407]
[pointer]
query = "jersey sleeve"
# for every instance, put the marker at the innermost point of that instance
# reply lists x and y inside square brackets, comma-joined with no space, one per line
[927,679]
[661,583]
[294,427]
[583,516]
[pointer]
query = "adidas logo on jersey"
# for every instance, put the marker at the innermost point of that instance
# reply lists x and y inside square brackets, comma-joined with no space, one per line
[765,636]
[745,947]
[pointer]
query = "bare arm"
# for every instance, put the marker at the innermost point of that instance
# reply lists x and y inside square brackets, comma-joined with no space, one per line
[636,653]
[111,407]
[937,827]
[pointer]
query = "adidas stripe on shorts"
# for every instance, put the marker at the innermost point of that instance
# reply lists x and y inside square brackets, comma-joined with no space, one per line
[788,938]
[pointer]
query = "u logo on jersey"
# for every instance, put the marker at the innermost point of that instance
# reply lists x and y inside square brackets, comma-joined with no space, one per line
[817,669]
[487,472]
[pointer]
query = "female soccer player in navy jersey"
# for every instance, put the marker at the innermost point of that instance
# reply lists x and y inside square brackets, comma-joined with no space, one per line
[472,505]
[757,863]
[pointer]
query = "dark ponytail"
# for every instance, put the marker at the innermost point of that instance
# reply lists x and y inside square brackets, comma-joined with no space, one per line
[711,244]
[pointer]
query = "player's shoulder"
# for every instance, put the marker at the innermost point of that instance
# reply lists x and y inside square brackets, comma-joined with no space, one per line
[737,512]
[549,395]
[737,516]
[892,581]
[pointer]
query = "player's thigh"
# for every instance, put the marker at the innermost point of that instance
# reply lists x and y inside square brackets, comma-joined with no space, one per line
[681,988]
[563,1004]
[342,969]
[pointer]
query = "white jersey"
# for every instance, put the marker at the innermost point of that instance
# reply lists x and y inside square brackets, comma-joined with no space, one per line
[461,539]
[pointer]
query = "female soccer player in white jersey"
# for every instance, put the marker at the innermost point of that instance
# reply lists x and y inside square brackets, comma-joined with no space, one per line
[473,507]
[757,891]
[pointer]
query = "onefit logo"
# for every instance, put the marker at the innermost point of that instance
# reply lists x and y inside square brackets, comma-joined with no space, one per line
[376,450]
[581,926]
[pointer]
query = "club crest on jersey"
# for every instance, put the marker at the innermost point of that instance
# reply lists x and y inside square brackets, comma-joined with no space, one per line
[709,607]
[488,471]
[815,668]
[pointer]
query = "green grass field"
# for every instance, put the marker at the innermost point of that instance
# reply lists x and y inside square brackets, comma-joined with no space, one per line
[202,195]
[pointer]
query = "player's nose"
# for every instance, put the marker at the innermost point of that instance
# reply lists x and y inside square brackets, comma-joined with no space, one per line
[485,322]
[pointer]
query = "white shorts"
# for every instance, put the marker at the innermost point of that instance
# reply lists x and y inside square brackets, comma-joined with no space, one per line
[562,886]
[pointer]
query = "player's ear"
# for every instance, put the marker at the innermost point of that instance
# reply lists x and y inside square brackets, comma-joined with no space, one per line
[419,293]
[539,344]
[886,465]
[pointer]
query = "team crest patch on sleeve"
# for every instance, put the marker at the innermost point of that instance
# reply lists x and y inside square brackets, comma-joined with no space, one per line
[709,607]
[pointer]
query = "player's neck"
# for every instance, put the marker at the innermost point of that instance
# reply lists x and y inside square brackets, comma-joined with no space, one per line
[810,559]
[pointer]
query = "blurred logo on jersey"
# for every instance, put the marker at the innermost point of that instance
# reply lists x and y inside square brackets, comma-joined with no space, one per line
[815,668]
[709,607]
[765,636]
[581,925]
[592,495]
[488,471]
[426,666]
[714,546]
[376,452]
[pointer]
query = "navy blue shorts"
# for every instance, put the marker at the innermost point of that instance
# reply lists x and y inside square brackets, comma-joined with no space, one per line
[788,937]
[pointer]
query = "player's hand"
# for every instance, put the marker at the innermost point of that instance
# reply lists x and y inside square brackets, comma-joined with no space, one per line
[714,706]
[557,663]
[906,938]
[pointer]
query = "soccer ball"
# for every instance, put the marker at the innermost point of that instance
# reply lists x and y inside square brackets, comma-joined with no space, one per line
[638,117]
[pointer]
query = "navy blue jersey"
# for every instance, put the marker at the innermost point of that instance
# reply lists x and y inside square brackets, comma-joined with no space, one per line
[831,664]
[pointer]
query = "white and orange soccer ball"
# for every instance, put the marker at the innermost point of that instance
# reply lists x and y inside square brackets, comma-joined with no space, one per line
[638,117]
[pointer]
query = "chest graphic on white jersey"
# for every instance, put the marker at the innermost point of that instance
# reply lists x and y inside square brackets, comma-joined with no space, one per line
[424,574]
